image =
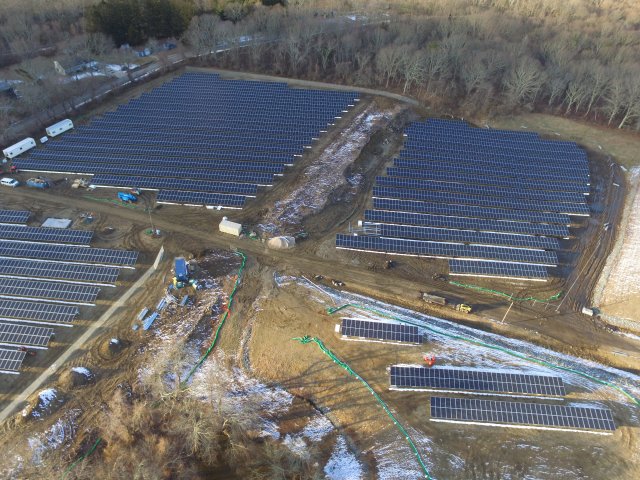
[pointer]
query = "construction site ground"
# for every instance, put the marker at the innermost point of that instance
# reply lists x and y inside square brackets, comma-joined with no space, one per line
[257,337]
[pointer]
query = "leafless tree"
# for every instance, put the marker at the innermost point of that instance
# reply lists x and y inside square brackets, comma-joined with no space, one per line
[524,81]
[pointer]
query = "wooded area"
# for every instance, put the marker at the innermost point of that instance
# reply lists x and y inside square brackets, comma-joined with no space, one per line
[577,58]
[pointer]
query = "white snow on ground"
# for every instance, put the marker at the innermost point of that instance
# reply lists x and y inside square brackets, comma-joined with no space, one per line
[47,396]
[624,278]
[297,445]
[82,371]
[55,436]
[343,465]
[323,176]
[318,428]
[270,429]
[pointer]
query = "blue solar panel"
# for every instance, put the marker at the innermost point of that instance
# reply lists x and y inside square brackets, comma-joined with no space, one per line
[476,268]
[51,235]
[444,250]
[200,199]
[174,183]
[67,253]
[71,272]
[479,224]
[14,216]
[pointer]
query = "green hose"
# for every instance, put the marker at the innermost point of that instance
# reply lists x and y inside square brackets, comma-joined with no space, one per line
[224,318]
[493,347]
[89,452]
[506,295]
[306,339]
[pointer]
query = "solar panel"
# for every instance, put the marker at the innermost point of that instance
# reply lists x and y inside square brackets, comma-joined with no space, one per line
[14,216]
[70,253]
[474,268]
[11,360]
[25,335]
[200,199]
[40,234]
[46,313]
[470,380]
[533,415]
[36,289]
[380,331]
[175,184]
[71,272]
[467,236]
[443,250]
[409,218]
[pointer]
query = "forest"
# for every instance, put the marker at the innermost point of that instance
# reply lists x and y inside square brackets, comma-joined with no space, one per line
[578,58]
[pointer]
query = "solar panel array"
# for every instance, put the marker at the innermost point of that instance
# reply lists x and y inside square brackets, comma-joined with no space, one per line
[14,216]
[493,202]
[533,415]
[24,335]
[11,360]
[458,379]
[45,275]
[352,327]
[198,139]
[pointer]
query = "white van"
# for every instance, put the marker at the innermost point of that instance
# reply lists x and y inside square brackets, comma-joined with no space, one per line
[9,182]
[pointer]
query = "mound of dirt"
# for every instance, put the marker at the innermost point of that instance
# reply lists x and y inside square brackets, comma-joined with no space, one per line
[76,377]
[112,348]
[45,403]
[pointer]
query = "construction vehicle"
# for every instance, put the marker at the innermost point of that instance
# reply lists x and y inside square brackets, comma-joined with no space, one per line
[436,300]
[31,353]
[9,170]
[181,272]
[80,183]
[389,264]
[127,197]
[337,283]
[38,182]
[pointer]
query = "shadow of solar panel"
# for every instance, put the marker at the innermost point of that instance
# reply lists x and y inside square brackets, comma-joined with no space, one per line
[69,292]
[460,379]
[533,415]
[474,268]
[11,360]
[14,216]
[380,331]
[25,335]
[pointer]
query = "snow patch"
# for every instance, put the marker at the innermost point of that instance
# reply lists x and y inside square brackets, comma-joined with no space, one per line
[297,445]
[343,465]
[318,428]
[82,371]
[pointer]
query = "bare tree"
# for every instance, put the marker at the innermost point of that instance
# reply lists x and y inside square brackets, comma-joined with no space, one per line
[388,62]
[524,81]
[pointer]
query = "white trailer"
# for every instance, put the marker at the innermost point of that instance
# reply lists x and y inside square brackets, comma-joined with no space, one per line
[60,127]
[18,148]
[231,228]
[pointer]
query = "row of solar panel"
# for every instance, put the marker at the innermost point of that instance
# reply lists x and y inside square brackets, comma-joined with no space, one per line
[469,211]
[14,216]
[204,199]
[171,152]
[469,170]
[67,253]
[267,138]
[39,234]
[484,177]
[463,379]
[11,360]
[463,223]
[70,272]
[475,268]
[396,332]
[257,101]
[488,152]
[102,162]
[489,140]
[478,200]
[37,312]
[467,236]
[244,189]
[38,289]
[508,162]
[182,123]
[248,117]
[231,175]
[230,144]
[474,189]
[24,335]
[462,410]
[444,250]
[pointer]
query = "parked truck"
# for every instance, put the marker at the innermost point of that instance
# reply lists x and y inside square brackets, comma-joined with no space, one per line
[38,182]
[436,300]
